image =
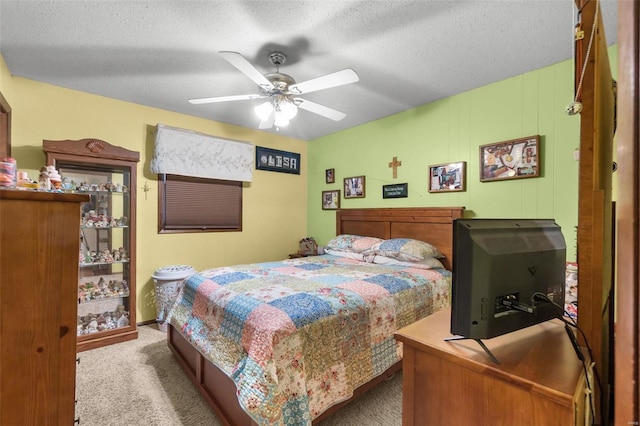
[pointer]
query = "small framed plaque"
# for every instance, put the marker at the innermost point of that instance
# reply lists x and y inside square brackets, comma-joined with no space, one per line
[275,160]
[399,190]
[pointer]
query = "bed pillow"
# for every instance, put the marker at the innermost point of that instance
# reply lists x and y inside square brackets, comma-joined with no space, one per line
[429,263]
[405,249]
[346,254]
[352,243]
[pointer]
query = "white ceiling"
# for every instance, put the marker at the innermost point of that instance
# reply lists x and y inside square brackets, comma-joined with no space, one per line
[407,53]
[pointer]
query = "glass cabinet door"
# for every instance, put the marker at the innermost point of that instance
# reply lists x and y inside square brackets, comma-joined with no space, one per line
[106,260]
[103,290]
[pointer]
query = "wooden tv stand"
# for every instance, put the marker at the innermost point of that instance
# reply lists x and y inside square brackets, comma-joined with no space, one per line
[539,382]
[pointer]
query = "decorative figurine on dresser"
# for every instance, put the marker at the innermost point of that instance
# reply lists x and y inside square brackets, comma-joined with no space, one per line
[106,285]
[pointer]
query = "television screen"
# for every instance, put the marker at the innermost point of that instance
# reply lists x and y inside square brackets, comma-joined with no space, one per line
[499,267]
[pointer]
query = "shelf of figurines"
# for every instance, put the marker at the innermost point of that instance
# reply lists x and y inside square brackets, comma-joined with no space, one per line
[114,188]
[104,257]
[49,179]
[103,222]
[92,323]
[91,292]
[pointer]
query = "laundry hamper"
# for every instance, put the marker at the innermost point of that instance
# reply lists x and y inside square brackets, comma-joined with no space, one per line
[168,281]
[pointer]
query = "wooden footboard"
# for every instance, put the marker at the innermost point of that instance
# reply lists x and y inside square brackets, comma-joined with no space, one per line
[219,391]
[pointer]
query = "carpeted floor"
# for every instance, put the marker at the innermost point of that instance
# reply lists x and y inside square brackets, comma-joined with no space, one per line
[140,383]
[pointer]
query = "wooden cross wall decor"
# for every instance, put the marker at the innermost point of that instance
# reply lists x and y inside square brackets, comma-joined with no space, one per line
[394,165]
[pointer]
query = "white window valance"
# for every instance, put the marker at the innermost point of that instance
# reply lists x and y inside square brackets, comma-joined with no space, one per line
[187,153]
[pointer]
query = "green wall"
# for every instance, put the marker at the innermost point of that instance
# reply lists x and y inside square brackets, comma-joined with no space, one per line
[452,130]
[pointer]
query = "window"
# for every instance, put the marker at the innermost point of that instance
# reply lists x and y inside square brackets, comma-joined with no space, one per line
[189,204]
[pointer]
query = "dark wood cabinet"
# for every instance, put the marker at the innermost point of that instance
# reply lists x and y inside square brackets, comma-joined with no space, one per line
[539,381]
[106,287]
[39,247]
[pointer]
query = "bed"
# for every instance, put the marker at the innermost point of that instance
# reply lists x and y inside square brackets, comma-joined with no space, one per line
[235,342]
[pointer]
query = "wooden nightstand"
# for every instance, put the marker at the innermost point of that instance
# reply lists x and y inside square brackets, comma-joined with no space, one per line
[539,382]
[297,255]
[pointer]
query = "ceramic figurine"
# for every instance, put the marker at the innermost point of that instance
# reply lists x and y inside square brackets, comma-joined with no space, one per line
[54,177]
[105,256]
[123,253]
[123,321]
[109,322]
[67,184]
[92,327]
[44,183]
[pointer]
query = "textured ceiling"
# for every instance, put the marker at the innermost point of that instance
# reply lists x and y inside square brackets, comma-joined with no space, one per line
[407,53]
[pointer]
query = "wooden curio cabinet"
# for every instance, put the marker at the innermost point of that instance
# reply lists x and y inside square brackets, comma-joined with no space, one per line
[107,256]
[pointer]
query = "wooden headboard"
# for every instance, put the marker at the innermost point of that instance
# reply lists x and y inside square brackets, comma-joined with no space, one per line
[431,224]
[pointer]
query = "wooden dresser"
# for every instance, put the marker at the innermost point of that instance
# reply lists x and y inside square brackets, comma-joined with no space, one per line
[39,246]
[539,382]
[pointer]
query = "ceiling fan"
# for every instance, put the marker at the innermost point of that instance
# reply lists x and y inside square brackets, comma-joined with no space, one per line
[282,91]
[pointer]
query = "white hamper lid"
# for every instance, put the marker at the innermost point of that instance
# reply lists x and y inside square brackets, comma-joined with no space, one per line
[173,272]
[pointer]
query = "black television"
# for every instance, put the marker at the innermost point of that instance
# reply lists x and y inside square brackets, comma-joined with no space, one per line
[507,275]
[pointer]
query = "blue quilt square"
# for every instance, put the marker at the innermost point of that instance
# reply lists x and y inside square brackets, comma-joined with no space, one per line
[344,300]
[296,411]
[332,280]
[235,315]
[391,284]
[232,277]
[195,329]
[311,266]
[303,308]
[190,289]
[271,265]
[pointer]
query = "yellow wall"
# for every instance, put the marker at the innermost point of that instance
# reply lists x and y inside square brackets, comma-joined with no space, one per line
[274,204]
[5,81]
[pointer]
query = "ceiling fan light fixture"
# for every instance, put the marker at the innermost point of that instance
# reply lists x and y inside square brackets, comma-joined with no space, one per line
[287,109]
[280,120]
[282,91]
[264,110]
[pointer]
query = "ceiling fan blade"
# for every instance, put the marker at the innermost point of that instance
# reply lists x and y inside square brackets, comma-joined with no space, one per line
[322,110]
[225,99]
[245,67]
[338,78]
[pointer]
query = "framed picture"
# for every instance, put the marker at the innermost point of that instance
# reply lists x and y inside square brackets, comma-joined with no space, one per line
[354,187]
[514,159]
[449,177]
[331,199]
[330,175]
[275,160]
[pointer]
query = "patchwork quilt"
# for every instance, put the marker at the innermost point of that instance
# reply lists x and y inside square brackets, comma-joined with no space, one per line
[300,335]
